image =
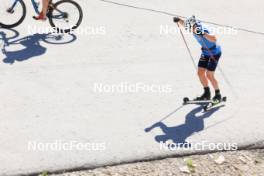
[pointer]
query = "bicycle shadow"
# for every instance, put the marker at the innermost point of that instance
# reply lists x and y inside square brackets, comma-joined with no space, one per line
[31,45]
[178,134]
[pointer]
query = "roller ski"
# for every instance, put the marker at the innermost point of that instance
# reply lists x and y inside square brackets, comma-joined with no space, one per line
[216,102]
[187,101]
[203,99]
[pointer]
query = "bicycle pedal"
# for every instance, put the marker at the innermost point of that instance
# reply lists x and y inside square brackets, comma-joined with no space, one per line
[10,11]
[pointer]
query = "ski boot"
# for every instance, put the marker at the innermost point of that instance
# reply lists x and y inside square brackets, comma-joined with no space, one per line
[205,96]
[217,98]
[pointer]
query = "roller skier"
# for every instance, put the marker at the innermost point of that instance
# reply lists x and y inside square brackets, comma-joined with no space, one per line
[210,55]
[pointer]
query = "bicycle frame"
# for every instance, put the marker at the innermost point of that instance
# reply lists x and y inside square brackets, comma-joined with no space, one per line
[36,8]
[34,4]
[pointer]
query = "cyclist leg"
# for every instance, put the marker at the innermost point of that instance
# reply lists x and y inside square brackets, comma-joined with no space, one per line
[43,13]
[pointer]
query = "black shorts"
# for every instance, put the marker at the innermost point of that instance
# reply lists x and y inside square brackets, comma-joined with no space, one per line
[208,62]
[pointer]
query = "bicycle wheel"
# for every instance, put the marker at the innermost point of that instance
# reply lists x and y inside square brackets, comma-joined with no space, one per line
[65,16]
[12,13]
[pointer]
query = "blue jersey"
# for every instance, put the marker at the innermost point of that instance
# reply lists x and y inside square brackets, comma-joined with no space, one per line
[214,48]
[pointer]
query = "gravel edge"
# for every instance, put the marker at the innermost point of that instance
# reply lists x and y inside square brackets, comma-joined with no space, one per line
[244,162]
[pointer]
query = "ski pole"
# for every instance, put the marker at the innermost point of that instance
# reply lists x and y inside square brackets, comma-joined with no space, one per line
[188,49]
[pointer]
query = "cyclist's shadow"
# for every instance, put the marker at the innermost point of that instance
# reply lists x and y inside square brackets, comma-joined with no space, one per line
[31,46]
[194,122]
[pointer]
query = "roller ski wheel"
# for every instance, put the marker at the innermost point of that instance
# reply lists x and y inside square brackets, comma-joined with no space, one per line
[214,104]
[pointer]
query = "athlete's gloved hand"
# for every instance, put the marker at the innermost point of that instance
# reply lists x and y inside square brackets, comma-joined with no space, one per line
[176,19]
[199,30]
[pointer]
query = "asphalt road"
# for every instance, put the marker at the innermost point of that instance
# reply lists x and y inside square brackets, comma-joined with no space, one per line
[87,100]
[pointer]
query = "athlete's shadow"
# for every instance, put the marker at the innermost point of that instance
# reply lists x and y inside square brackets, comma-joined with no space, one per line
[31,45]
[194,122]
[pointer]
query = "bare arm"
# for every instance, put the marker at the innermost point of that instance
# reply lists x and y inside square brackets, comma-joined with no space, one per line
[210,37]
[181,22]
